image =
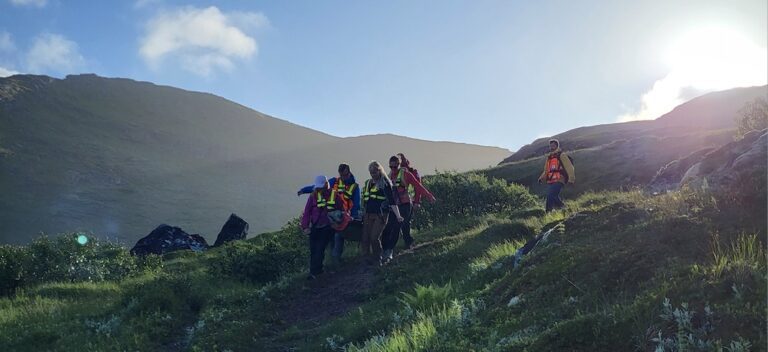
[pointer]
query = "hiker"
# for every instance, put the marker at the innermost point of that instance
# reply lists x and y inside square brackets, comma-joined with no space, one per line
[380,209]
[558,171]
[347,187]
[316,224]
[402,179]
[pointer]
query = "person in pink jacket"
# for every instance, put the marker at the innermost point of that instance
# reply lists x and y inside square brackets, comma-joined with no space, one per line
[316,224]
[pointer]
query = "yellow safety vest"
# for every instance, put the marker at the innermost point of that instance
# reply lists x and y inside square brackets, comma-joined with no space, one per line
[372,192]
[329,204]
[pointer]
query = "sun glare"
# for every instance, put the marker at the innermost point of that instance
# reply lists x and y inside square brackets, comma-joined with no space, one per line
[714,58]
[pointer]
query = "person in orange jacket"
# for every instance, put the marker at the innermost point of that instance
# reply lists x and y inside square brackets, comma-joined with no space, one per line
[558,171]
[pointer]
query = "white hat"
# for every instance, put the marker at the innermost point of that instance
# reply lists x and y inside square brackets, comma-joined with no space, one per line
[320,181]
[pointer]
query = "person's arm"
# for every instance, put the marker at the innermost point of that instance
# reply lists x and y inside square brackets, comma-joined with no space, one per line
[569,169]
[420,190]
[306,216]
[543,173]
[306,189]
[389,192]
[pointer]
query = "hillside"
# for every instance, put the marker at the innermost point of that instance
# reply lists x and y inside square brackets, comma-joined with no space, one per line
[117,157]
[612,156]
[614,272]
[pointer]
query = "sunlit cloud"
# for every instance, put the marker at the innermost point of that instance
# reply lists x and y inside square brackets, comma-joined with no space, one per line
[54,53]
[32,3]
[704,60]
[5,72]
[202,41]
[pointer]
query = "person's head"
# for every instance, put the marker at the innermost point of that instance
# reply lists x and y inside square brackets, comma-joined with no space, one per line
[344,171]
[321,182]
[403,160]
[378,174]
[554,144]
[394,162]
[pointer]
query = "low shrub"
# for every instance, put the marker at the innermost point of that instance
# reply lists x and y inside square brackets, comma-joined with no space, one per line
[470,194]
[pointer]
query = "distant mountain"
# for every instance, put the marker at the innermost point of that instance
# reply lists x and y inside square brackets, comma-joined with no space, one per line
[625,155]
[709,112]
[118,157]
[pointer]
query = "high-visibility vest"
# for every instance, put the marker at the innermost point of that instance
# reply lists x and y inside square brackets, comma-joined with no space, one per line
[328,204]
[555,169]
[371,191]
[345,190]
[400,183]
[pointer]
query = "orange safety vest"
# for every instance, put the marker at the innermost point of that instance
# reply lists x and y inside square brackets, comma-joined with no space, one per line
[555,169]
[345,190]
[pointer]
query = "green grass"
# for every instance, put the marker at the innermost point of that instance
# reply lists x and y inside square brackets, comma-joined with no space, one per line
[614,270]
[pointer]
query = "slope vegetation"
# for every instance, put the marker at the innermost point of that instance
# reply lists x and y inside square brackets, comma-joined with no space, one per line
[617,272]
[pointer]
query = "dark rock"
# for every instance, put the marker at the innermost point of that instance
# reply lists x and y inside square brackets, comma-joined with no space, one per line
[166,238]
[234,229]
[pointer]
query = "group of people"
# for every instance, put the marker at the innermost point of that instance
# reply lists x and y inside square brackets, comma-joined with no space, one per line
[384,204]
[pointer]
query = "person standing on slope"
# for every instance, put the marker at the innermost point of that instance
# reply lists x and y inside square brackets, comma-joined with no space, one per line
[558,171]
[316,224]
[346,185]
[402,179]
[380,208]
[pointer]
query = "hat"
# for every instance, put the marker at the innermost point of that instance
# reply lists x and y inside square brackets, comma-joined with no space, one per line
[320,181]
[555,140]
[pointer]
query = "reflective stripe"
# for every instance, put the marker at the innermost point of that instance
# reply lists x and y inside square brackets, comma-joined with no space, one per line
[400,181]
[326,203]
[372,192]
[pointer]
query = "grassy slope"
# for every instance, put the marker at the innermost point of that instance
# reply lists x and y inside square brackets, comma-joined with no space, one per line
[712,111]
[597,284]
[119,157]
[621,164]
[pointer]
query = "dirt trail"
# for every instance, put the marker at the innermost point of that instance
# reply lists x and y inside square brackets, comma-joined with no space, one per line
[334,294]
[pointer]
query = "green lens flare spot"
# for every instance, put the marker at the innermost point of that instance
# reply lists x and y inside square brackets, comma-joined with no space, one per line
[82,240]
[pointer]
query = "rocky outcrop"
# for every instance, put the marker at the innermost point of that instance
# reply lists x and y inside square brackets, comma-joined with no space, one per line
[732,165]
[234,229]
[166,238]
[669,176]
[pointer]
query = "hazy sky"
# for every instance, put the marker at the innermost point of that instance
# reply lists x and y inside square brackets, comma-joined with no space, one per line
[487,72]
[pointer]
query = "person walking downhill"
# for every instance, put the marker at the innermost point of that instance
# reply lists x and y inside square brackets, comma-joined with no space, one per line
[316,224]
[380,209]
[345,185]
[402,179]
[558,171]
[406,164]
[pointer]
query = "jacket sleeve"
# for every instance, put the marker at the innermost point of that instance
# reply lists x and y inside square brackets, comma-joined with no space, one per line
[306,216]
[569,169]
[306,189]
[418,188]
[356,201]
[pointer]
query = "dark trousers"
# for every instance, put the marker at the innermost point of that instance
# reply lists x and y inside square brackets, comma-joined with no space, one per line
[318,240]
[406,211]
[553,196]
[392,231]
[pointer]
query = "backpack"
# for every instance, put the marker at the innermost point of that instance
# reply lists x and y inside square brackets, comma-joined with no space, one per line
[415,173]
[564,171]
